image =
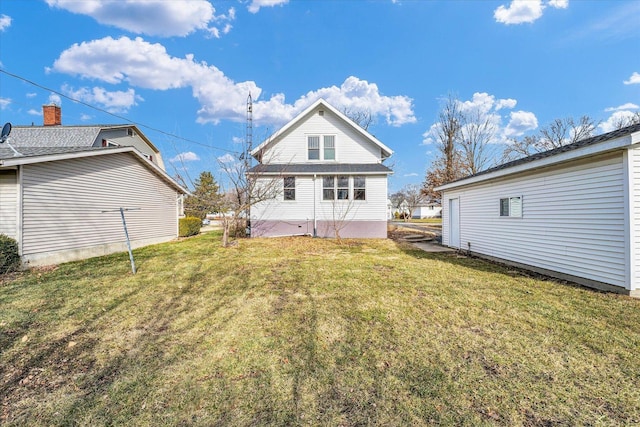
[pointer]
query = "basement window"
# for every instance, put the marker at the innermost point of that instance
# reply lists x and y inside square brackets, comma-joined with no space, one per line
[511,207]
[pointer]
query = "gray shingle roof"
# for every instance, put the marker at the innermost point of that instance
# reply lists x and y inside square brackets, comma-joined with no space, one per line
[54,136]
[7,153]
[321,168]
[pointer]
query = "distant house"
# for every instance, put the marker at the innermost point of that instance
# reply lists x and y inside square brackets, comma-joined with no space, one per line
[427,210]
[331,180]
[60,197]
[572,212]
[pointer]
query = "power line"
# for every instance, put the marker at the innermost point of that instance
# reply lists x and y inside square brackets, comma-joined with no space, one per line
[142,125]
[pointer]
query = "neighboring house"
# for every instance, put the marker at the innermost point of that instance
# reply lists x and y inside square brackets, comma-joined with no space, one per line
[572,212]
[428,210]
[328,175]
[53,134]
[61,202]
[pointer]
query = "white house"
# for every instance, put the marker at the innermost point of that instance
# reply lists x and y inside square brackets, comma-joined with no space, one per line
[61,202]
[329,178]
[428,210]
[572,212]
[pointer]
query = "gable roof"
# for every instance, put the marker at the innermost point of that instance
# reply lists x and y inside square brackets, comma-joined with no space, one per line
[66,136]
[31,155]
[587,147]
[386,151]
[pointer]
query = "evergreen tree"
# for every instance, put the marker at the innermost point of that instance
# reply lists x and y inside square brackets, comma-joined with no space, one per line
[206,197]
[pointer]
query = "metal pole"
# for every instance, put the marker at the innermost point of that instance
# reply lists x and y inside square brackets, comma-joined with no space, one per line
[126,233]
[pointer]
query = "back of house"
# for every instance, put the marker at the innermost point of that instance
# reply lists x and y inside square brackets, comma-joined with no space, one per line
[326,178]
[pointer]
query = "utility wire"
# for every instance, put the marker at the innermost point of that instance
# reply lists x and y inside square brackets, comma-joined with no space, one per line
[113,114]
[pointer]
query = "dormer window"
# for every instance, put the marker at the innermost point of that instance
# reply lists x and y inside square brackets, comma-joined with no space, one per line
[131,132]
[316,151]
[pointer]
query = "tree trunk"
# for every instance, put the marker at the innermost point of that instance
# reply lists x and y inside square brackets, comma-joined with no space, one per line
[225,233]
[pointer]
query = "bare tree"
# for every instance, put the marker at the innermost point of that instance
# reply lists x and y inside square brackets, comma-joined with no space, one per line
[362,118]
[629,120]
[247,186]
[558,133]
[414,196]
[477,132]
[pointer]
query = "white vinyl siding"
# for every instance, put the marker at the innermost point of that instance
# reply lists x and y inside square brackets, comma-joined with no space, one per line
[634,205]
[374,208]
[350,146]
[63,203]
[572,222]
[9,203]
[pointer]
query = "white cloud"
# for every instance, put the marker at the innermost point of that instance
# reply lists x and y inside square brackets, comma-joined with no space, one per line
[152,17]
[407,175]
[227,158]
[34,112]
[525,11]
[520,122]
[54,98]
[114,102]
[5,22]
[627,106]
[4,103]
[255,5]
[31,95]
[634,79]
[86,117]
[149,66]
[188,156]
[612,123]
[559,4]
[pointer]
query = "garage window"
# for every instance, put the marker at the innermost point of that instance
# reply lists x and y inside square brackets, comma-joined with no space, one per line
[511,207]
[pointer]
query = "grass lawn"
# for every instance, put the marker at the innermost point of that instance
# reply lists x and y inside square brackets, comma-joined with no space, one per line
[302,331]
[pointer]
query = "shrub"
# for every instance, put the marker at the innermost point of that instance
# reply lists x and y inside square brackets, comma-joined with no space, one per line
[189,226]
[9,255]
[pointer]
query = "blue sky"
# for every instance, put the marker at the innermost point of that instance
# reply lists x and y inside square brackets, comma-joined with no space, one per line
[184,68]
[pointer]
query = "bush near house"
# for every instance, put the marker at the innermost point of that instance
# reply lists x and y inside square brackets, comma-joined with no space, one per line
[9,255]
[189,226]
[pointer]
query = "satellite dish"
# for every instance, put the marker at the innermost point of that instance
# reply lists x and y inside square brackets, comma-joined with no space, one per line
[6,130]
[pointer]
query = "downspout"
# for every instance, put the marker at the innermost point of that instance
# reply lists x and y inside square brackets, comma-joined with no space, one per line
[315,224]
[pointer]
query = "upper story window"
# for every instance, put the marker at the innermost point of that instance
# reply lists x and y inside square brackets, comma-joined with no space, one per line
[289,187]
[329,147]
[321,147]
[511,206]
[313,144]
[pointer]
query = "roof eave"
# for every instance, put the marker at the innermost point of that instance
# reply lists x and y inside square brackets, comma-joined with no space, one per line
[579,153]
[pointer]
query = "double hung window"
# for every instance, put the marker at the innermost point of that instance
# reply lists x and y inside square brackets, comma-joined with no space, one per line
[342,187]
[289,187]
[321,147]
[313,146]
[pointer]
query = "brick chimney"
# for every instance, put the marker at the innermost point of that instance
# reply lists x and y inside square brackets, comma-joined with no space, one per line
[52,115]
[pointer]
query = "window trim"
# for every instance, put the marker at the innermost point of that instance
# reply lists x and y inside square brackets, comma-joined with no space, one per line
[510,205]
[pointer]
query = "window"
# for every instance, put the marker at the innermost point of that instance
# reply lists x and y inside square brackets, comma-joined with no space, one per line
[329,147]
[289,187]
[511,206]
[343,188]
[313,144]
[328,188]
[359,189]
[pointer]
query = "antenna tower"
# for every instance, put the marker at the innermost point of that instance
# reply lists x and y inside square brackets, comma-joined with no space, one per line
[249,135]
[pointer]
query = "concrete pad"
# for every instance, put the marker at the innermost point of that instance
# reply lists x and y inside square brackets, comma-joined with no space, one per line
[432,247]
